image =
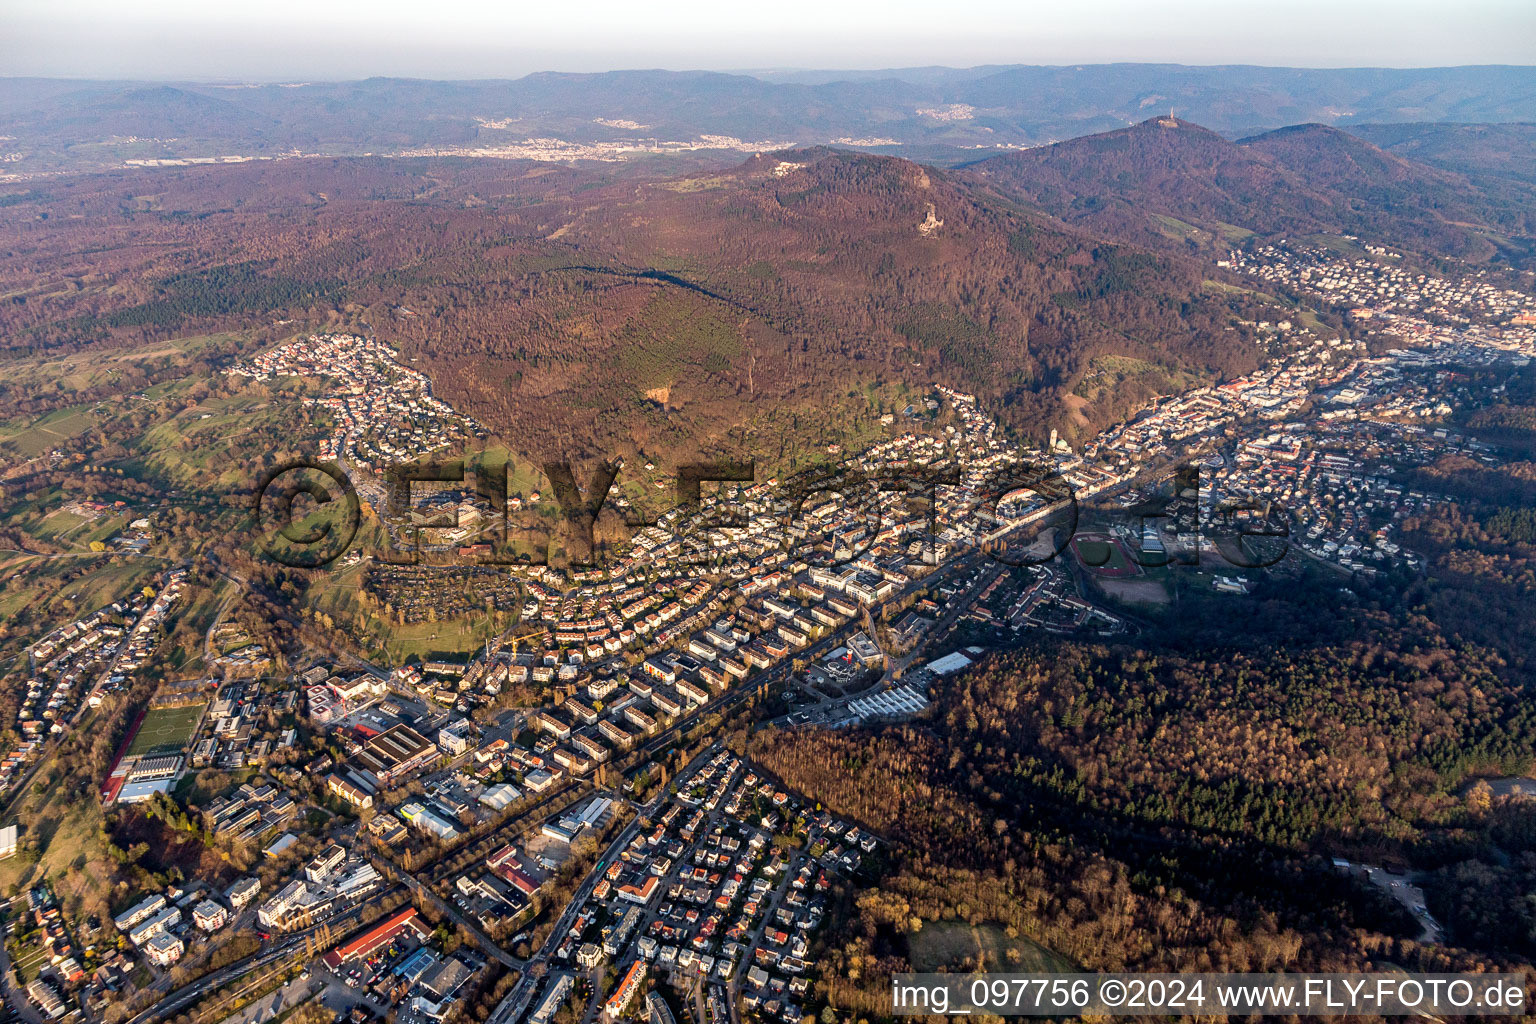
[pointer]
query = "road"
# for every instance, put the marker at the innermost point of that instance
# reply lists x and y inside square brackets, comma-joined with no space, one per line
[274,1003]
[516,1002]
[733,992]
[13,991]
[218,617]
[290,944]
[937,632]
[186,996]
[724,702]
[46,754]
[337,994]
[389,867]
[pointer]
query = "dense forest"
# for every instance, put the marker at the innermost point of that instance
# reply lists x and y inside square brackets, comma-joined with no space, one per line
[1172,184]
[1175,806]
[564,306]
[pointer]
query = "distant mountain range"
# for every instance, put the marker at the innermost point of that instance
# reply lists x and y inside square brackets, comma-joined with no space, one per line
[938,115]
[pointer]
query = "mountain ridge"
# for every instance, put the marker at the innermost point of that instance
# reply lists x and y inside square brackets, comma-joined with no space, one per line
[753,291]
[947,115]
[1169,183]
[1481,151]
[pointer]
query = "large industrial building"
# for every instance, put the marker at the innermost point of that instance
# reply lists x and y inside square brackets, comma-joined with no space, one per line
[395,753]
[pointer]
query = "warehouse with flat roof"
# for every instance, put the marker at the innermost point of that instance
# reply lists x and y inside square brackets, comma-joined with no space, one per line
[395,753]
[948,664]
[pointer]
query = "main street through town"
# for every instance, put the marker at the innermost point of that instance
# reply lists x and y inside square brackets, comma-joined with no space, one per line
[981,568]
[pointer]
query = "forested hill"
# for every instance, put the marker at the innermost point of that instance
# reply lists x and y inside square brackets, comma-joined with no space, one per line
[1171,183]
[684,307]
[1157,810]
[1391,197]
[1482,151]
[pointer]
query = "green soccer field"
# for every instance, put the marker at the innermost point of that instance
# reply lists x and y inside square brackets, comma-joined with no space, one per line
[166,730]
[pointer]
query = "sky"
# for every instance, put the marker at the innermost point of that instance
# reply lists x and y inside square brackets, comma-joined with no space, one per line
[288,40]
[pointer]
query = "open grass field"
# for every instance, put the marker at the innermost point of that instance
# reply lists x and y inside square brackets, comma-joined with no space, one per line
[41,515]
[1143,592]
[199,612]
[396,644]
[1109,374]
[74,585]
[33,438]
[62,836]
[942,944]
[116,579]
[192,438]
[432,640]
[80,371]
[75,532]
[1232,289]
[166,730]
[205,444]
[1179,230]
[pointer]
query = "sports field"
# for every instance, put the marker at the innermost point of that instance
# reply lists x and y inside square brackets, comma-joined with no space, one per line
[1103,556]
[166,730]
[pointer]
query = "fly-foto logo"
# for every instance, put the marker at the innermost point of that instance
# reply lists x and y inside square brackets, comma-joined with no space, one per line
[1021,513]
[316,538]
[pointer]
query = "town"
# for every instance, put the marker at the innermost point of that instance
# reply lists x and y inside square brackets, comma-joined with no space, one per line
[530,831]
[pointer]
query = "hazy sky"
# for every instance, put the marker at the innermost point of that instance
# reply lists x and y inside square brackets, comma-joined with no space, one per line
[320,39]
